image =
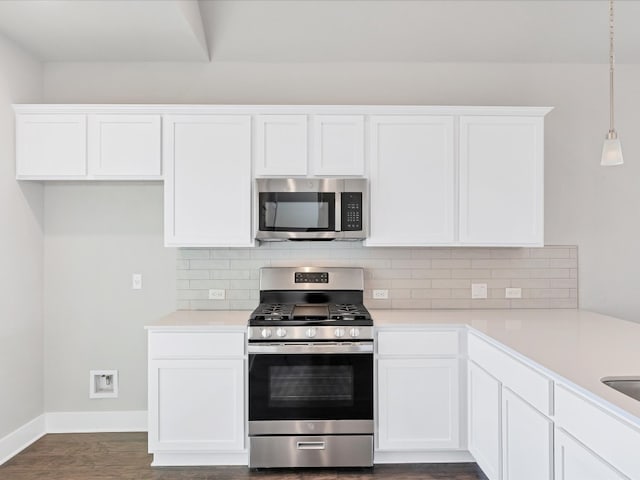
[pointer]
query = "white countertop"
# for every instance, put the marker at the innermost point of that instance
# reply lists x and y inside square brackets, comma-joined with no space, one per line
[576,345]
[199,319]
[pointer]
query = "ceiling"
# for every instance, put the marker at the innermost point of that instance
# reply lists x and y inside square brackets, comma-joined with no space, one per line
[513,31]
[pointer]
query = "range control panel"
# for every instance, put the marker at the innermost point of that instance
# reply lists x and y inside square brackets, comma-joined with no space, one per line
[311,277]
[351,211]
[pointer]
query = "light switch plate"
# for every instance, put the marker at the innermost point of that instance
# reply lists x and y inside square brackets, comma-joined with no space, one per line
[478,290]
[136,281]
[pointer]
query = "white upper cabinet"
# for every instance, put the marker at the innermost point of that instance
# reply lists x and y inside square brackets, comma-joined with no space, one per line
[479,184]
[122,146]
[501,180]
[88,146]
[207,188]
[292,145]
[412,180]
[338,145]
[281,145]
[454,176]
[51,146]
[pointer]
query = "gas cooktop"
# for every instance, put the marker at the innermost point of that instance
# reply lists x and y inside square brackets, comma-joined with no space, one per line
[305,314]
[326,299]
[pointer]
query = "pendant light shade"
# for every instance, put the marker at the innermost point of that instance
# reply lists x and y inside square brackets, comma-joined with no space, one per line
[611,150]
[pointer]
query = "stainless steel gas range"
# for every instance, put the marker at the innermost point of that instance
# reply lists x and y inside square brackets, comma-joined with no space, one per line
[311,370]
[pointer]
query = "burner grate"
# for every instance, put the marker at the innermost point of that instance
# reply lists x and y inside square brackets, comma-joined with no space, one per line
[273,311]
[348,311]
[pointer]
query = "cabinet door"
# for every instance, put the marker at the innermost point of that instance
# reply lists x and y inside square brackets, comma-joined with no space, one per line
[418,404]
[485,431]
[338,145]
[501,181]
[527,440]
[281,145]
[196,405]
[207,180]
[124,146]
[412,181]
[574,461]
[51,146]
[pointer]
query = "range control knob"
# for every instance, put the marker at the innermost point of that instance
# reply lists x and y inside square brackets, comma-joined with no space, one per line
[265,332]
[281,332]
[354,332]
[311,332]
[339,332]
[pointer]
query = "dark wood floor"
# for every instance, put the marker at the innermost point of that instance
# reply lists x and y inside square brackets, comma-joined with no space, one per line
[123,456]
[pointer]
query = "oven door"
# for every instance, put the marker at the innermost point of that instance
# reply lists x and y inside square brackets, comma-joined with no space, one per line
[286,215]
[321,388]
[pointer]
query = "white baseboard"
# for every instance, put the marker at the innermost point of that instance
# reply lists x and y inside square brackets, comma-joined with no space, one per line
[84,422]
[199,459]
[18,440]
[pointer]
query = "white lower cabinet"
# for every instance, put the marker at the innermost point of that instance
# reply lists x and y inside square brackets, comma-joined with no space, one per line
[418,404]
[199,405]
[521,422]
[485,429]
[607,436]
[574,461]
[509,437]
[196,398]
[418,392]
[527,438]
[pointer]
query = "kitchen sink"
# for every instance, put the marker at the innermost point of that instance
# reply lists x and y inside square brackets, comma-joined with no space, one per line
[628,385]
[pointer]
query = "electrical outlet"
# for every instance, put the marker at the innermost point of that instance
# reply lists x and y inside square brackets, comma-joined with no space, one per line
[381,294]
[512,292]
[216,294]
[478,290]
[136,281]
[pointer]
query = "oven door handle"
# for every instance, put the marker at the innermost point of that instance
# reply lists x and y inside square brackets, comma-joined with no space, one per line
[310,348]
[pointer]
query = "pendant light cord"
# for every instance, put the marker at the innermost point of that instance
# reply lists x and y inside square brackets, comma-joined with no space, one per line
[611,66]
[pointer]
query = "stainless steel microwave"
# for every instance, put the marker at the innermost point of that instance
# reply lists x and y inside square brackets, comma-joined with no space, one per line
[311,209]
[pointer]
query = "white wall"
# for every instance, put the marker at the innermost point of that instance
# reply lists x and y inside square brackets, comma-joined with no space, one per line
[21,244]
[97,235]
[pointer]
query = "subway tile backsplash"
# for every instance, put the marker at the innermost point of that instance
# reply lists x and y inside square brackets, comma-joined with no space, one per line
[424,278]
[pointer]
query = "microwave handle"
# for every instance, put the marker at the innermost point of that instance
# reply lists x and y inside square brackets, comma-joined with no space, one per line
[338,212]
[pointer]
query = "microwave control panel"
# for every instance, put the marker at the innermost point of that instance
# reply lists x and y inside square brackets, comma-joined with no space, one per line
[351,211]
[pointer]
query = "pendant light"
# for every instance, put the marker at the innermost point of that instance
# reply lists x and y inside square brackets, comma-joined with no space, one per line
[611,150]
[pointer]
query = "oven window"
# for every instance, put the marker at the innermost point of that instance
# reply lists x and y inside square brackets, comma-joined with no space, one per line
[310,386]
[297,212]
[306,385]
